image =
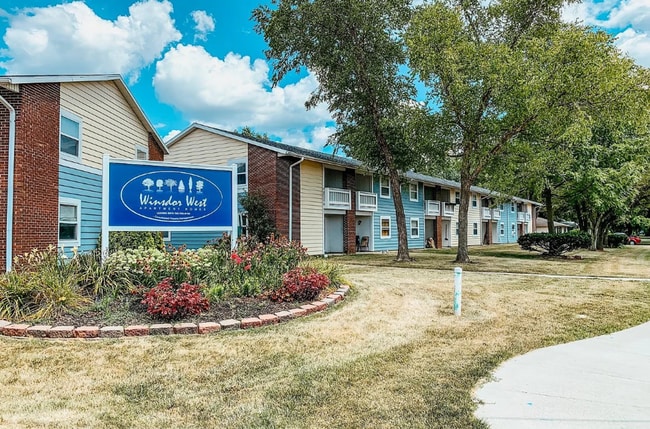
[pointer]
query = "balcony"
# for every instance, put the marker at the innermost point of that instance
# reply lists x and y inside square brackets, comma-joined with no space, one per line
[431,208]
[448,209]
[486,213]
[339,199]
[496,214]
[366,201]
[521,217]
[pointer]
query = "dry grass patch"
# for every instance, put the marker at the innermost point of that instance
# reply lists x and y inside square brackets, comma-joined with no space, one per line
[392,355]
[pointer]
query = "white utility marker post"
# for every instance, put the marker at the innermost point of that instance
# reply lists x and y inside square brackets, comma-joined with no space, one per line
[458,290]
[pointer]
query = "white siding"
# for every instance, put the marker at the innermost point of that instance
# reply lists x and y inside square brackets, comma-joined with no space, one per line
[109,124]
[474,216]
[202,147]
[311,207]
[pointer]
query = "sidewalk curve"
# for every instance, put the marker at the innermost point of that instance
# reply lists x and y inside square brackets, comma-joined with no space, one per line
[597,383]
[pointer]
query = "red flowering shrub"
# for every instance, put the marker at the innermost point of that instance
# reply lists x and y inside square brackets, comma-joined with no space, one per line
[167,302]
[300,284]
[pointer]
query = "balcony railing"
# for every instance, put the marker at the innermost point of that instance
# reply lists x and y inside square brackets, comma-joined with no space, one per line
[496,214]
[337,199]
[521,217]
[432,208]
[486,213]
[448,209]
[366,201]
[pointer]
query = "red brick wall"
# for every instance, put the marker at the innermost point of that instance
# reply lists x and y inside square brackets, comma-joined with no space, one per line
[155,152]
[268,174]
[36,174]
[350,218]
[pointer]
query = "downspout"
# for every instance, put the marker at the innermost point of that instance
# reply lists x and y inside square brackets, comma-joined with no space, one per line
[291,196]
[10,183]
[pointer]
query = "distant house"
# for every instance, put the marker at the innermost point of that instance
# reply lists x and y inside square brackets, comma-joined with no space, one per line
[54,131]
[334,204]
[560,227]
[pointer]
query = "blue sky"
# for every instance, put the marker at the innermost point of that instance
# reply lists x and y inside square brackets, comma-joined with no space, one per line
[201,60]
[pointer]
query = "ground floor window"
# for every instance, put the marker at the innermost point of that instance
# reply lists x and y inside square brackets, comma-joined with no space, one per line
[502,229]
[475,229]
[243,224]
[457,228]
[69,222]
[415,228]
[385,226]
[513,230]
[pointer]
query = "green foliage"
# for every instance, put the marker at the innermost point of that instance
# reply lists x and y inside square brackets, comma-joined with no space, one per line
[332,270]
[122,240]
[554,244]
[260,225]
[616,240]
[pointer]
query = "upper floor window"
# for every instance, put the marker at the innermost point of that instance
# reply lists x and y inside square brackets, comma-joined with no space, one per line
[69,222]
[457,199]
[474,201]
[512,207]
[242,172]
[413,191]
[384,187]
[141,152]
[70,135]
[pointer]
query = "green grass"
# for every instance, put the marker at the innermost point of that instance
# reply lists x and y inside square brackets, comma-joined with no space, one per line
[391,355]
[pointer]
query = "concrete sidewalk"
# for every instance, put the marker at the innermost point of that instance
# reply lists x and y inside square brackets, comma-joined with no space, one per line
[602,382]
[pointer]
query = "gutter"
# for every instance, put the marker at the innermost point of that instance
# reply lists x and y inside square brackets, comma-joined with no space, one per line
[291,196]
[10,183]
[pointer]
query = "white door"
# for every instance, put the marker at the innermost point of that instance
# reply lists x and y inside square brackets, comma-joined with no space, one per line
[333,233]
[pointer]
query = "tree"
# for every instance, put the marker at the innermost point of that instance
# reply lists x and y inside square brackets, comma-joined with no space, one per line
[497,70]
[148,183]
[170,183]
[355,50]
[250,133]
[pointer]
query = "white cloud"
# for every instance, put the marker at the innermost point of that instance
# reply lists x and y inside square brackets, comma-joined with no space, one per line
[234,92]
[627,20]
[204,24]
[71,38]
[170,135]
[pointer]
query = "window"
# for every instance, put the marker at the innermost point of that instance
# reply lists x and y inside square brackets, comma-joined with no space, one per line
[413,191]
[457,198]
[385,226]
[242,172]
[512,207]
[501,207]
[415,228]
[141,152]
[69,221]
[243,224]
[457,228]
[502,229]
[70,136]
[384,187]
[475,229]
[474,201]
[512,230]
[166,235]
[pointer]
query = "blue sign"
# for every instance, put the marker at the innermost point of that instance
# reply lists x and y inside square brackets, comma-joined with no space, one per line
[168,197]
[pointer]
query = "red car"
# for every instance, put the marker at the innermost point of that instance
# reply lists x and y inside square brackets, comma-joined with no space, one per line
[633,239]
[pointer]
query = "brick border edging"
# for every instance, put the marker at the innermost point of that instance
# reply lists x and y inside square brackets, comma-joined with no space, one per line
[21,330]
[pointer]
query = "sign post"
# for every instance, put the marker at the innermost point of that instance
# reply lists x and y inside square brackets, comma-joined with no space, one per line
[159,196]
[458,290]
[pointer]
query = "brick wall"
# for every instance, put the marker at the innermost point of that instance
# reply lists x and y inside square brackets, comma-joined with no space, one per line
[155,152]
[350,218]
[268,175]
[36,174]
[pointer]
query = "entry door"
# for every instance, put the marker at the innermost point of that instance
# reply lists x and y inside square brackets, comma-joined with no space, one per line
[333,234]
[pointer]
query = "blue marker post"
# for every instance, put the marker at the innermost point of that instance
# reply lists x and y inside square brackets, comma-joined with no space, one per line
[458,290]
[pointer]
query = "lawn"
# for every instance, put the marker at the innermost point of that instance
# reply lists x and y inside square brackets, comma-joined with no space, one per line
[392,355]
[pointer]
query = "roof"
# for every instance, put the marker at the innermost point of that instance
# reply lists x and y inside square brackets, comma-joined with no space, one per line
[326,158]
[116,78]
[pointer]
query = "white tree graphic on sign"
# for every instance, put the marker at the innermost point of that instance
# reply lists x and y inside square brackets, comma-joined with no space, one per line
[148,183]
[159,184]
[170,183]
[199,186]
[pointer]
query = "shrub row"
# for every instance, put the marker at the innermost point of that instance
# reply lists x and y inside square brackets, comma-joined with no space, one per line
[555,244]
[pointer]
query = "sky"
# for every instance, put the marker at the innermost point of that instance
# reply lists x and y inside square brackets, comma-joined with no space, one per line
[202,61]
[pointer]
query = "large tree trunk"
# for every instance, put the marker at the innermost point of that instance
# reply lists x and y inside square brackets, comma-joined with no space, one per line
[547,193]
[462,255]
[400,218]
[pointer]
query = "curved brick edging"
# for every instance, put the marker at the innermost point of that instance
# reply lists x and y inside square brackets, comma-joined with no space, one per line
[9,329]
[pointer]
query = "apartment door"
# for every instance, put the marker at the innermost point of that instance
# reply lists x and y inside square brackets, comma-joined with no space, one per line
[333,233]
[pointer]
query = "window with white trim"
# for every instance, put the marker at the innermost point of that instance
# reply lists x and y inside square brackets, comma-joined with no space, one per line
[512,207]
[70,136]
[242,173]
[475,229]
[474,201]
[243,224]
[166,235]
[513,231]
[384,187]
[69,222]
[413,191]
[500,207]
[141,152]
[415,227]
[502,229]
[457,198]
[384,222]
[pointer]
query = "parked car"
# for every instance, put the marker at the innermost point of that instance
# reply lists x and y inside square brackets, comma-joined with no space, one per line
[633,239]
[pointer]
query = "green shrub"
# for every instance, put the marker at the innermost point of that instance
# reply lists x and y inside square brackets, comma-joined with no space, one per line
[332,270]
[616,240]
[555,244]
[260,225]
[123,240]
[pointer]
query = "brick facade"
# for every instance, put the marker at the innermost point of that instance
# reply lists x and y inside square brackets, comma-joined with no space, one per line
[350,218]
[155,152]
[268,174]
[36,171]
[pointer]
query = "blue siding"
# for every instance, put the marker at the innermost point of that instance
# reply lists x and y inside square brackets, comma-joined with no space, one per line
[86,187]
[508,218]
[412,209]
[193,240]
